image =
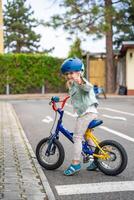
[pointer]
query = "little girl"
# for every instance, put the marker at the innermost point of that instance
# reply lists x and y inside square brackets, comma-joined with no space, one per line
[84,103]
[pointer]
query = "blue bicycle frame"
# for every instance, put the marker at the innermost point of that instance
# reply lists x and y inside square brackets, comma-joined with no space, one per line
[60,128]
[69,135]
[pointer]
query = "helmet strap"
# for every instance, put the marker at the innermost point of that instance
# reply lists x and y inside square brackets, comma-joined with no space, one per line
[82,73]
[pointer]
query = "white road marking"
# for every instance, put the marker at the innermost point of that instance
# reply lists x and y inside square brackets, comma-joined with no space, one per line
[95,188]
[70,114]
[115,117]
[117,111]
[48,119]
[117,133]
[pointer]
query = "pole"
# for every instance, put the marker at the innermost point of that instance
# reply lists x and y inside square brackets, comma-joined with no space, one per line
[7,86]
[43,89]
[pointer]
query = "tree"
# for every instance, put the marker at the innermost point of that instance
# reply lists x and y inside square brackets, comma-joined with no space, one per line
[90,17]
[19,23]
[119,16]
[124,22]
[109,18]
[75,49]
[109,47]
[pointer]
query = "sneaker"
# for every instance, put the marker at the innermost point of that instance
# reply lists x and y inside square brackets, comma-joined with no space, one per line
[92,166]
[72,169]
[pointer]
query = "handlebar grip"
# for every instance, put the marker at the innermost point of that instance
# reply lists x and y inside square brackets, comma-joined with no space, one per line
[55,99]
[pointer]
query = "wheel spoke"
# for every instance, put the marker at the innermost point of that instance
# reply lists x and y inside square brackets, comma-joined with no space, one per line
[52,158]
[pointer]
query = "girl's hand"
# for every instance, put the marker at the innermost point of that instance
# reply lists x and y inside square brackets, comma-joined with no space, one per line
[69,83]
[77,78]
[73,77]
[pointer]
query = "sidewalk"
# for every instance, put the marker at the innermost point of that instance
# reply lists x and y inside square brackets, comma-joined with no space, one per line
[21,177]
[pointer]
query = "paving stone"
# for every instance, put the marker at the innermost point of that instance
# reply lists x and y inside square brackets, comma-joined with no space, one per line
[18,174]
[12,196]
[37,197]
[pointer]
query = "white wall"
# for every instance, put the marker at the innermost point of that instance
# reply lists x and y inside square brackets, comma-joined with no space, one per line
[130,69]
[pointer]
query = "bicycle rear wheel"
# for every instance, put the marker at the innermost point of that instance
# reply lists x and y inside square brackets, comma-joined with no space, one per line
[52,159]
[117,161]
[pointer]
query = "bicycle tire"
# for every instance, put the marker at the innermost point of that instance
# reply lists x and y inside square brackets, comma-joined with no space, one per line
[103,164]
[41,157]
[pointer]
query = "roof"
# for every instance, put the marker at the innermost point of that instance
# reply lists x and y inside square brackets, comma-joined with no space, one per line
[125,46]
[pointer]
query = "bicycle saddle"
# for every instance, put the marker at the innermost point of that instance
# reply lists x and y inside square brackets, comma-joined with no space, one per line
[94,123]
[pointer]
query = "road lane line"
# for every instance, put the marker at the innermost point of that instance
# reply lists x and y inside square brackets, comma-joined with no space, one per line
[95,188]
[108,129]
[117,133]
[70,114]
[118,111]
[48,119]
[115,117]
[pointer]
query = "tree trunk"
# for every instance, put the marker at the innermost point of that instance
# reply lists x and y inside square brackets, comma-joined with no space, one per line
[110,69]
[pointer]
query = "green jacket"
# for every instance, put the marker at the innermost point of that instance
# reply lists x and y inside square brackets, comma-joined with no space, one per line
[82,96]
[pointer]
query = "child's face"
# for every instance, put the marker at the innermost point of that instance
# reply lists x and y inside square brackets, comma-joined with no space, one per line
[72,76]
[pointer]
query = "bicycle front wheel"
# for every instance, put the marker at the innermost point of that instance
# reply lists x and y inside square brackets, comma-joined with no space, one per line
[117,161]
[54,158]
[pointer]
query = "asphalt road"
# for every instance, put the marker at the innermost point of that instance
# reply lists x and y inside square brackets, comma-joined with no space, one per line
[36,117]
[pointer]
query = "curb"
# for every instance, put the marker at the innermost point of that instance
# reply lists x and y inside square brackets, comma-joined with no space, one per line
[43,178]
[49,95]
[30,96]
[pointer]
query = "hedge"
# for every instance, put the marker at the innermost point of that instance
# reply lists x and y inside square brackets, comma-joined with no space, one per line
[27,73]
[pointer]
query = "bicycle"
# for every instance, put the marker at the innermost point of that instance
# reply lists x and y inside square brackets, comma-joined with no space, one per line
[109,156]
[99,91]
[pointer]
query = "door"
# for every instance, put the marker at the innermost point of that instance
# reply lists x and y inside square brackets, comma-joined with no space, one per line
[97,72]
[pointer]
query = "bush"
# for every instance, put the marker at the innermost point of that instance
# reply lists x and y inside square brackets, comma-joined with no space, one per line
[26,73]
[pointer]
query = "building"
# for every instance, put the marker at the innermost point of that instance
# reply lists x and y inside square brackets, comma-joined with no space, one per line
[126,62]
[124,67]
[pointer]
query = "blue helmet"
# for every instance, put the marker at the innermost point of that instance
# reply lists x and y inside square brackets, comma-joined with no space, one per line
[72,64]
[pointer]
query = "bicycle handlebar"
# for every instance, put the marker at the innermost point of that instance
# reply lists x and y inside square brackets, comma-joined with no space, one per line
[55,100]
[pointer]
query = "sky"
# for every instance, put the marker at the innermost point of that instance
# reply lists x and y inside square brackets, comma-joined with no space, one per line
[43,9]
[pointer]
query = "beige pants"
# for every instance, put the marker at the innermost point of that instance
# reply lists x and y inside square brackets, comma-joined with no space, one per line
[80,128]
